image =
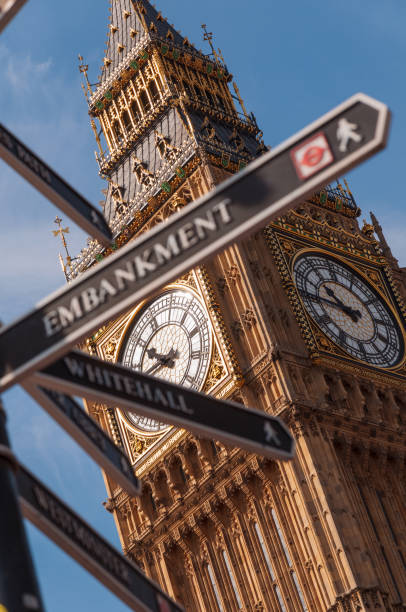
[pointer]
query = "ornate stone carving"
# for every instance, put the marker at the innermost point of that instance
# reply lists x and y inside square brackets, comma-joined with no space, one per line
[216,371]
[248,318]
[138,443]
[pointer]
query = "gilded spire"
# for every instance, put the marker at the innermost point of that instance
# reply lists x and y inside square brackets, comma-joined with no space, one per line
[61,232]
[240,100]
[208,36]
[382,240]
[83,69]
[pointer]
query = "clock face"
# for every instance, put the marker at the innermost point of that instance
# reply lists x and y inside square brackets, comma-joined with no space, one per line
[171,339]
[348,310]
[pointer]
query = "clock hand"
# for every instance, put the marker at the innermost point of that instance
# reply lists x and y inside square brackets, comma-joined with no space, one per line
[154,367]
[169,359]
[347,309]
[162,360]
[319,298]
[151,352]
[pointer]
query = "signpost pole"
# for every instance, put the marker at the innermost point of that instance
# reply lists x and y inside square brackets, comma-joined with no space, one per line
[19,590]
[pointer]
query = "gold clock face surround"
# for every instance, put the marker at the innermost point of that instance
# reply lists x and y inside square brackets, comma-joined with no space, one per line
[348,309]
[170,337]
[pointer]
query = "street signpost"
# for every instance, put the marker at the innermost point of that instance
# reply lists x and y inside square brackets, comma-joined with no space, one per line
[83,375]
[8,9]
[88,434]
[277,181]
[79,540]
[19,587]
[53,187]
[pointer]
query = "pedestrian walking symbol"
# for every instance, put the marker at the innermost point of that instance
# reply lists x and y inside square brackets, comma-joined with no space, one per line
[346,131]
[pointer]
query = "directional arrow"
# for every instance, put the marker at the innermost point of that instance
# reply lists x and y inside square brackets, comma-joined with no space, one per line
[271,435]
[53,187]
[79,540]
[81,375]
[244,203]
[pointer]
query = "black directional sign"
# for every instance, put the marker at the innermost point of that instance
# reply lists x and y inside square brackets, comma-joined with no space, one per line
[88,434]
[53,187]
[8,9]
[82,375]
[69,531]
[244,203]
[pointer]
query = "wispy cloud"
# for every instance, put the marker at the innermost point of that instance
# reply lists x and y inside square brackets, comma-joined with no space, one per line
[22,72]
[49,114]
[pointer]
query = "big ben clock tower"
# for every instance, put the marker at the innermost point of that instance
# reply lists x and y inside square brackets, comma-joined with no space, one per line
[305,320]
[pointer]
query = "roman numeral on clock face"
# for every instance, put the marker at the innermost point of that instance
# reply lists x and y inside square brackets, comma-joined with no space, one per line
[342,336]
[362,348]
[323,319]
[332,271]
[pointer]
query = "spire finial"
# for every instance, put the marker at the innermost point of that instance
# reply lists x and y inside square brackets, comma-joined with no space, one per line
[97,136]
[240,100]
[60,232]
[208,36]
[83,69]
[382,240]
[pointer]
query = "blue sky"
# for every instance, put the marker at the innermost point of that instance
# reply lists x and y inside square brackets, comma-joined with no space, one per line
[292,60]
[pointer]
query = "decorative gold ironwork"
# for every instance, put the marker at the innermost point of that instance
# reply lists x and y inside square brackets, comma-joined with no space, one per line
[61,232]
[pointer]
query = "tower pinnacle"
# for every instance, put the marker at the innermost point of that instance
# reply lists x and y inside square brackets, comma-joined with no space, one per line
[61,232]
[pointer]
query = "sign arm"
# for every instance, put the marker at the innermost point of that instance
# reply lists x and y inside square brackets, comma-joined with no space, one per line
[8,10]
[77,538]
[53,187]
[88,434]
[241,205]
[83,375]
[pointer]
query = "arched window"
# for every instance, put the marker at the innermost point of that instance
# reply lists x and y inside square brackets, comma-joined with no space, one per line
[117,130]
[264,550]
[199,93]
[288,559]
[148,503]
[281,537]
[210,98]
[146,105]
[215,589]
[232,578]
[153,90]
[125,118]
[220,102]
[135,109]
[175,83]
[279,596]
[187,88]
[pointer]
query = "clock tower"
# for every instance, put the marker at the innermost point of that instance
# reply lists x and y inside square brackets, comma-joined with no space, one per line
[305,320]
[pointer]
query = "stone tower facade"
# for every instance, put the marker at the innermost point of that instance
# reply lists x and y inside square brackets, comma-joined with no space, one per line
[305,320]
